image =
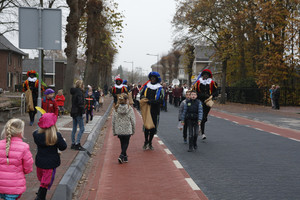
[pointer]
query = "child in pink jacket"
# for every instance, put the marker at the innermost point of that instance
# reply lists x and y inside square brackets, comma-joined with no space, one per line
[15,160]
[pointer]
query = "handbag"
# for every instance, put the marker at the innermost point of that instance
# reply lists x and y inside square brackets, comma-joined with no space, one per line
[209,102]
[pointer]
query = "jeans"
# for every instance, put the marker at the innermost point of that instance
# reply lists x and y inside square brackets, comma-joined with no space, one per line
[193,132]
[77,120]
[9,196]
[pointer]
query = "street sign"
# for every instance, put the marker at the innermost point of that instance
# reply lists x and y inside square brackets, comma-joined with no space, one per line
[50,28]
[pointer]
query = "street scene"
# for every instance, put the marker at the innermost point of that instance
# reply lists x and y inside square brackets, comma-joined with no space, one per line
[149,99]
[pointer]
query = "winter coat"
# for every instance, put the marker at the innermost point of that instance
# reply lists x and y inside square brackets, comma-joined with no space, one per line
[47,157]
[77,102]
[50,106]
[12,176]
[60,100]
[123,120]
[181,107]
[89,102]
[192,110]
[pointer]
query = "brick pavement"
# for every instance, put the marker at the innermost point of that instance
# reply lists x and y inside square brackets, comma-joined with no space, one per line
[67,157]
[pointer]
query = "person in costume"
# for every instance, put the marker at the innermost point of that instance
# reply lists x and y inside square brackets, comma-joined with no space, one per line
[153,91]
[32,83]
[118,88]
[206,88]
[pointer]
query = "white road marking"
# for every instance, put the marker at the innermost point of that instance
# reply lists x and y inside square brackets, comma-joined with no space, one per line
[160,142]
[259,129]
[193,185]
[295,139]
[168,151]
[177,164]
[274,133]
[235,122]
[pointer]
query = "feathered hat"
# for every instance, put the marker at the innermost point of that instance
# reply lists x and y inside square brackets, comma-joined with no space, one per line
[31,72]
[155,74]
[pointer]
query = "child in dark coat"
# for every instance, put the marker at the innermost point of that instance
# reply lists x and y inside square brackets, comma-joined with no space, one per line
[89,103]
[192,114]
[48,141]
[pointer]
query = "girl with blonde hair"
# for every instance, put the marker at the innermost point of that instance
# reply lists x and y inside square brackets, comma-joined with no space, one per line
[47,159]
[15,160]
[123,123]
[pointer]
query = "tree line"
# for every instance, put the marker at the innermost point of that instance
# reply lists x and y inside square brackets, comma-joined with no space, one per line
[256,41]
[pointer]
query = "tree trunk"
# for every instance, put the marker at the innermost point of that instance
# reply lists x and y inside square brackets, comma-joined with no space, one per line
[223,88]
[94,42]
[76,11]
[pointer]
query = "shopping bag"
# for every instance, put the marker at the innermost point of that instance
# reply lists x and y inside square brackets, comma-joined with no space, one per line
[180,126]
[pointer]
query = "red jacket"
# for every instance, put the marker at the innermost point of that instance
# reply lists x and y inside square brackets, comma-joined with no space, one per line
[50,106]
[60,100]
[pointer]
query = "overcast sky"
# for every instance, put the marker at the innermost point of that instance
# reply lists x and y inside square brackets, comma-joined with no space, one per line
[148,30]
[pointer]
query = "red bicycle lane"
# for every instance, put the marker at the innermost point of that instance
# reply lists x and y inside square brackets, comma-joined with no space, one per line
[275,130]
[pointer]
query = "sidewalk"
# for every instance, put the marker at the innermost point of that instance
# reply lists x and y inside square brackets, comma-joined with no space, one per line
[64,125]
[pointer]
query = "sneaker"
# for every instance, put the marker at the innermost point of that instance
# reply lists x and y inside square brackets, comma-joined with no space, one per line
[185,141]
[203,136]
[125,159]
[120,159]
[145,147]
[79,147]
[31,123]
[151,147]
[73,146]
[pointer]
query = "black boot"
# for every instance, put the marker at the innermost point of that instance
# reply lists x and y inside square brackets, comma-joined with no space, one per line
[195,142]
[41,195]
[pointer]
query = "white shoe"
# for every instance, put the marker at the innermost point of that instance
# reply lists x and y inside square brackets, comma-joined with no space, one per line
[203,137]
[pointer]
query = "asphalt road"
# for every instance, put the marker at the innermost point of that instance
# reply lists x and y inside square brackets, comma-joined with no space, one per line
[236,162]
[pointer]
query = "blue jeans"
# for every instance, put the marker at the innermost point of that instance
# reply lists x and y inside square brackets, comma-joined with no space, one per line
[77,120]
[9,196]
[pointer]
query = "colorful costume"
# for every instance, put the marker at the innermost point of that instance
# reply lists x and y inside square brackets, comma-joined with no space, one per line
[154,92]
[205,89]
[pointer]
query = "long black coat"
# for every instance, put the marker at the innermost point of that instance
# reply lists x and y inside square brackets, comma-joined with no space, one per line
[77,102]
[47,157]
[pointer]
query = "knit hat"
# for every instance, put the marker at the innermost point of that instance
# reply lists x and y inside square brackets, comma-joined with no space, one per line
[48,91]
[47,120]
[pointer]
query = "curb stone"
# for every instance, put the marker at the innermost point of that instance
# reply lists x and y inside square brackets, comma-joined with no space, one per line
[68,183]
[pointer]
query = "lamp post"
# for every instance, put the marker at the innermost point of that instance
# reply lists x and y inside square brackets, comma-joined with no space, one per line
[148,54]
[131,70]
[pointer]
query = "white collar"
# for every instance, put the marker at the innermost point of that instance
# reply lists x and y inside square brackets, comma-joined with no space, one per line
[205,82]
[153,87]
[119,86]
[32,79]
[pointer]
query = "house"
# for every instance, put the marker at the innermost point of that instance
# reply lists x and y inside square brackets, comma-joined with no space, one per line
[10,65]
[205,59]
[54,70]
